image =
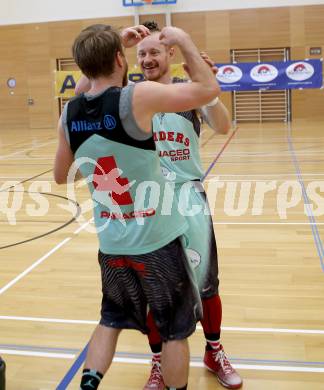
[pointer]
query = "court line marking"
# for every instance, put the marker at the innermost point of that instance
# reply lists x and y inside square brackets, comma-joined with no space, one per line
[274,368]
[268,330]
[34,164]
[13,177]
[34,265]
[264,174]
[224,328]
[146,357]
[240,162]
[39,261]
[25,180]
[299,363]
[252,178]
[3,157]
[237,366]
[211,166]
[210,175]
[68,377]
[284,153]
[282,180]
[202,143]
[33,348]
[49,320]
[270,223]
[253,141]
[78,362]
[27,143]
[83,226]
[51,355]
[65,224]
[197,364]
[43,179]
[307,203]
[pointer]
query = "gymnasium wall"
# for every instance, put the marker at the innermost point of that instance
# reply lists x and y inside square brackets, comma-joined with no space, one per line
[28,52]
[31,11]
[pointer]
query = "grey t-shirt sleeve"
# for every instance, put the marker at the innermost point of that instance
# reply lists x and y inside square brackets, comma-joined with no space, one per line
[127,116]
[64,123]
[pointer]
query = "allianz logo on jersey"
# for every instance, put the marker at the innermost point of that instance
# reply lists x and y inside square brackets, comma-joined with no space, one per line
[109,123]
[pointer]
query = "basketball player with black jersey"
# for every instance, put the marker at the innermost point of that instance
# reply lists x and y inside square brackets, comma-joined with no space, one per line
[177,141]
[107,133]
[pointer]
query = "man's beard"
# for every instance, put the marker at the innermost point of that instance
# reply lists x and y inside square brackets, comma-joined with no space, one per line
[157,76]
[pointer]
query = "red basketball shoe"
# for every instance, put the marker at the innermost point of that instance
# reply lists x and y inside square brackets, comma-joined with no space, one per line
[155,381]
[216,361]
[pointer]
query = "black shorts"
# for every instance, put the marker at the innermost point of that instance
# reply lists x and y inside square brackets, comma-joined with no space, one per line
[161,280]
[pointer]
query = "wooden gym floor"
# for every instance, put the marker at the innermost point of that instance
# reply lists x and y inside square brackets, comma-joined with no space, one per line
[271,267]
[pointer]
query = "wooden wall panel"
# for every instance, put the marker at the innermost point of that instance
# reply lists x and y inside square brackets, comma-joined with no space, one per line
[244,29]
[261,28]
[308,104]
[38,65]
[218,33]
[297,26]
[314,25]
[274,27]
[13,108]
[61,37]
[29,52]
[195,24]
[218,43]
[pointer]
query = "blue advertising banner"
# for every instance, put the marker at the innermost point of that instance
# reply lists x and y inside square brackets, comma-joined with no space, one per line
[248,76]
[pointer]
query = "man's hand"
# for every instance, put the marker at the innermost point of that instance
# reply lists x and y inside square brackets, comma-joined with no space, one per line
[208,61]
[171,36]
[131,36]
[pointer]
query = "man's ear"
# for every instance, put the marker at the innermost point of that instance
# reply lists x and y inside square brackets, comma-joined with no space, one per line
[171,53]
[119,59]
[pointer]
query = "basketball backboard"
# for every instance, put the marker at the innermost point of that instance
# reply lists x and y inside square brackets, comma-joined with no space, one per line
[138,3]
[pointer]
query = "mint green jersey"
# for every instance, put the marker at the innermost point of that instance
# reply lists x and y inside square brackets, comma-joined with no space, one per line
[176,136]
[133,222]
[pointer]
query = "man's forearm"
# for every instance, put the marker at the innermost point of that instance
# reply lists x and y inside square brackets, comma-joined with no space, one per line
[217,117]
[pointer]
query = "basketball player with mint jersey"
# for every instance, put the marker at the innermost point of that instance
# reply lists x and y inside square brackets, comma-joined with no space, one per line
[177,140]
[107,133]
